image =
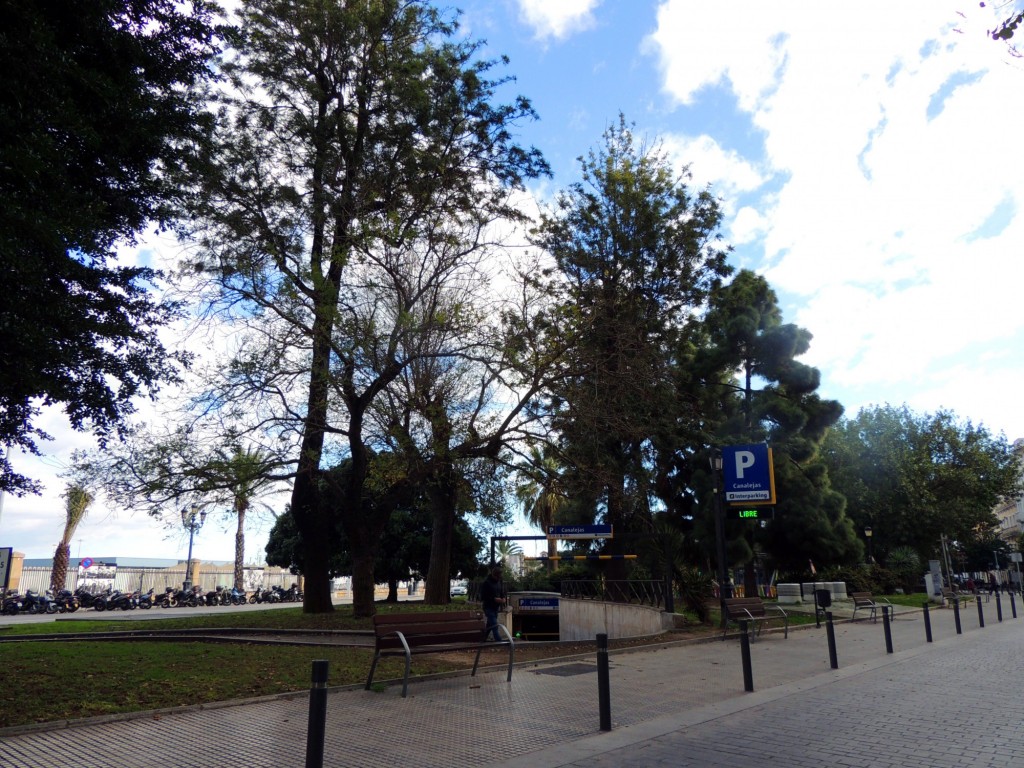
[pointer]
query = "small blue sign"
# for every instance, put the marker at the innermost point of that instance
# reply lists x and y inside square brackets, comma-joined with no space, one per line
[579,532]
[538,604]
[749,474]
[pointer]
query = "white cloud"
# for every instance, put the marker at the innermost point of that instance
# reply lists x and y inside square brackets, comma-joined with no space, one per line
[726,171]
[559,19]
[878,197]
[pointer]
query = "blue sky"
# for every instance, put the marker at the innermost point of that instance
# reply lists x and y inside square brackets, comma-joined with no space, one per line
[865,158]
[863,154]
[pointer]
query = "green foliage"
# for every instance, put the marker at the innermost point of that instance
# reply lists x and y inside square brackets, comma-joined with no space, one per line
[906,564]
[97,102]
[550,581]
[913,477]
[404,550]
[361,152]
[1008,27]
[695,591]
[636,255]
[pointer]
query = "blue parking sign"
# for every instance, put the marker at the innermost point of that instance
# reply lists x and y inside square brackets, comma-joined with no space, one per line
[749,474]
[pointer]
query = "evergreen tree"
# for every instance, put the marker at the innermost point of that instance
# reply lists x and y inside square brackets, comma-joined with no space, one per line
[635,253]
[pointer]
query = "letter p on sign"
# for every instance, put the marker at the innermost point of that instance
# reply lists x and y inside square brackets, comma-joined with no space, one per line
[744,459]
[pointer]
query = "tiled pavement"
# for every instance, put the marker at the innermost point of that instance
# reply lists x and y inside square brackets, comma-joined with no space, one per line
[948,703]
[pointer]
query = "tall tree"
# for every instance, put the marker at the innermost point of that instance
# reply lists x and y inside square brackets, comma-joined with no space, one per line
[360,142]
[768,395]
[635,254]
[76,503]
[915,477]
[98,100]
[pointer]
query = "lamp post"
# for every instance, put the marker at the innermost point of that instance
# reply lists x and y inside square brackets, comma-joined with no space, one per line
[724,590]
[192,518]
[867,535]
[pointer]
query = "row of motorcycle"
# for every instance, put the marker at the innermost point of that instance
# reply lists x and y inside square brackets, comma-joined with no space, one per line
[66,601]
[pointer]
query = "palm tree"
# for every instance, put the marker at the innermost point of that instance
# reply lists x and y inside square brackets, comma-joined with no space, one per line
[244,473]
[76,501]
[540,492]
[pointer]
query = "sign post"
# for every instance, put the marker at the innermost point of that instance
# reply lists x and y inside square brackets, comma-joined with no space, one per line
[6,557]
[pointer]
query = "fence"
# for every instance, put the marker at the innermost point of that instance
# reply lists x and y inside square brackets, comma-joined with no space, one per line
[617,591]
[128,579]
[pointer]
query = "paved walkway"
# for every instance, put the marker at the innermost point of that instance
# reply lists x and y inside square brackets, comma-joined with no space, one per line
[949,703]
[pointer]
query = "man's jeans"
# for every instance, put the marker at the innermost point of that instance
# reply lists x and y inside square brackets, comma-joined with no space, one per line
[491,614]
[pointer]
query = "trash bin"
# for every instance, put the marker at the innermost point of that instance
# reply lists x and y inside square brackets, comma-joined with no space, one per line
[824,597]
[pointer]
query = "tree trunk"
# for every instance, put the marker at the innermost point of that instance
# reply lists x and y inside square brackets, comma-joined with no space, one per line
[59,572]
[616,569]
[240,547]
[363,585]
[749,580]
[438,581]
[443,495]
[392,590]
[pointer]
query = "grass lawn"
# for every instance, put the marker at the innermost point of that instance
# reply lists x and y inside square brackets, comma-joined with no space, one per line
[46,681]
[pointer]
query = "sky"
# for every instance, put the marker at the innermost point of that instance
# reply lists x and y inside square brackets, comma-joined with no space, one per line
[864,156]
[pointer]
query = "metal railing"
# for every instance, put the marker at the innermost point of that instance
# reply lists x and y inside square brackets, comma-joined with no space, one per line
[128,579]
[636,592]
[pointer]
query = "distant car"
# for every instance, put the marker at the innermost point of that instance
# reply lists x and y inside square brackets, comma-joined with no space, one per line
[459,589]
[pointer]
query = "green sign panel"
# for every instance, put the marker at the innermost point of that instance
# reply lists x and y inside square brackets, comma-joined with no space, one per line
[752,513]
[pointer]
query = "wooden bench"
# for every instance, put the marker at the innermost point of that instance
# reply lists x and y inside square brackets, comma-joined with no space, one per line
[399,634]
[865,601]
[755,612]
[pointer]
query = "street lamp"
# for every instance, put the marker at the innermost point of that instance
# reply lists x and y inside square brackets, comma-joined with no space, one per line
[724,589]
[192,522]
[867,535]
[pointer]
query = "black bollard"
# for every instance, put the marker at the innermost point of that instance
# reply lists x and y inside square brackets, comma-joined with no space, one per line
[927,623]
[956,615]
[317,715]
[888,629]
[999,607]
[830,631]
[604,696]
[1013,605]
[748,671]
[981,612]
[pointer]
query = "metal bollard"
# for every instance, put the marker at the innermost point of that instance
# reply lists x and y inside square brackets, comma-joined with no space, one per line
[927,623]
[317,715]
[748,671]
[981,612]
[604,696]
[1013,605]
[830,632]
[956,615]
[888,629]
[999,607]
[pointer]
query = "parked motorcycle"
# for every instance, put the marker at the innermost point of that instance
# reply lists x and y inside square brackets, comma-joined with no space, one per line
[66,601]
[34,602]
[259,596]
[12,602]
[86,599]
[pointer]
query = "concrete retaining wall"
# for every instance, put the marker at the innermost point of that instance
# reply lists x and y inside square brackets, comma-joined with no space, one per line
[790,593]
[584,619]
